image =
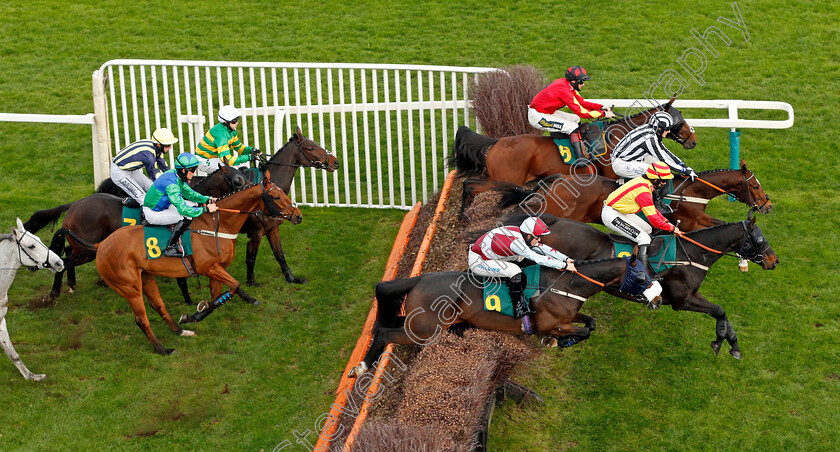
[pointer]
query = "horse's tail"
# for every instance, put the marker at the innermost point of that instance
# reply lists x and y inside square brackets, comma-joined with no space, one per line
[66,232]
[389,299]
[42,218]
[108,186]
[469,152]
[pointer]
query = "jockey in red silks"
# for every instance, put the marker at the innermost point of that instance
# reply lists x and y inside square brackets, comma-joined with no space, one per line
[495,252]
[544,111]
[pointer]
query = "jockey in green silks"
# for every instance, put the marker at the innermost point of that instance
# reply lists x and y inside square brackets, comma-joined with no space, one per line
[221,141]
[171,200]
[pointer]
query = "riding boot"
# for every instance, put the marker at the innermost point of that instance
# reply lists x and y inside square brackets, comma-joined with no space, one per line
[516,285]
[658,195]
[643,258]
[172,248]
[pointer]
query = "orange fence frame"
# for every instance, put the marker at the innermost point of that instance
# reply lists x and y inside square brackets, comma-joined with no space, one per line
[415,271]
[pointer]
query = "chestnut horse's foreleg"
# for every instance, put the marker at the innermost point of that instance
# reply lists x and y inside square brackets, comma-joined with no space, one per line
[219,275]
[274,240]
[150,289]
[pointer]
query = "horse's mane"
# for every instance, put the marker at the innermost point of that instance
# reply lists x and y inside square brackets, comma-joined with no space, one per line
[6,237]
[237,191]
[712,228]
[719,170]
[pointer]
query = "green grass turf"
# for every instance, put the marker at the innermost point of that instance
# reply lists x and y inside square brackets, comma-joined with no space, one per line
[643,381]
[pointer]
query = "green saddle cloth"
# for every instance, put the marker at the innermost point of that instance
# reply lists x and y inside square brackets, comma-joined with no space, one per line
[131,216]
[497,295]
[668,250]
[156,237]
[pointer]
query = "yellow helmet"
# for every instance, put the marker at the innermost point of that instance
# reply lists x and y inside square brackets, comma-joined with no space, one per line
[164,136]
[659,170]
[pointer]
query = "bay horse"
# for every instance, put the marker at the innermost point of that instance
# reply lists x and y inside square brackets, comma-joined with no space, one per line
[435,301]
[524,158]
[122,262]
[21,248]
[582,200]
[298,152]
[681,283]
[95,217]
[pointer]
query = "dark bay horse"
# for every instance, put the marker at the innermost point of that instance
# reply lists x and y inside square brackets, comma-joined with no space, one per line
[681,283]
[122,262]
[582,200]
[435,301]
[525,158]
[298,152]
[95,217]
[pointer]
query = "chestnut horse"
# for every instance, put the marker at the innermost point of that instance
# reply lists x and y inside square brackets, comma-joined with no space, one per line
[582,200]
[298,152]
[122,262]
[436,301]
[680,283]
[525,158]
[93,218]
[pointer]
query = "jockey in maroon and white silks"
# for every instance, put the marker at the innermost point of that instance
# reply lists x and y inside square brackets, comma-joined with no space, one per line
[495,252]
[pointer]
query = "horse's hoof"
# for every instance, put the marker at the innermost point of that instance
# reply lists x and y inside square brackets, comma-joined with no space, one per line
[37,377]
[254,302]
[253,283]
[548,342]
[185,318]
[735,354]
[187,333]
[716,347]
[358,370]
[70,290]
[297,280]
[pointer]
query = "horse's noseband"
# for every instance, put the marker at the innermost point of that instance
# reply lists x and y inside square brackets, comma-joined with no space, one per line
[755,245]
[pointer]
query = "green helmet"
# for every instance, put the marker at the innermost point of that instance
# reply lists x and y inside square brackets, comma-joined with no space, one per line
[185,161]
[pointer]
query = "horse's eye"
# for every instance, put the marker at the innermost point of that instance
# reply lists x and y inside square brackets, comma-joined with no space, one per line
[31,247]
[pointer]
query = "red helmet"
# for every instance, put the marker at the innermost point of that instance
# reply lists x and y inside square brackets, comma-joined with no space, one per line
[534,226]
[577,74]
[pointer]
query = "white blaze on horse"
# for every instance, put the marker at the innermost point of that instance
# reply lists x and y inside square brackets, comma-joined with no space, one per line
[21,248]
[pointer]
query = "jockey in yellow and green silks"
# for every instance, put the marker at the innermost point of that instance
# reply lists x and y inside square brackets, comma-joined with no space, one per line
[221,141]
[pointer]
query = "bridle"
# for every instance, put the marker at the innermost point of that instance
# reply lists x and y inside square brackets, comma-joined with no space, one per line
[742,193]
[268,201]
[305,152]
[672,132]
[22,252]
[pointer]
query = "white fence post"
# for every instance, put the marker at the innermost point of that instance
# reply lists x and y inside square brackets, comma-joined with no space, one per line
[101,133]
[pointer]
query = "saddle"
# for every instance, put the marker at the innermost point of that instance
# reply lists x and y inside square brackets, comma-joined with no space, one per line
[130,203]
[655,248]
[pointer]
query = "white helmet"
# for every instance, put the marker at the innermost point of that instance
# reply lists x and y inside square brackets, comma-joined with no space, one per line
[164,136]
[229,113]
